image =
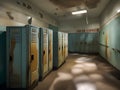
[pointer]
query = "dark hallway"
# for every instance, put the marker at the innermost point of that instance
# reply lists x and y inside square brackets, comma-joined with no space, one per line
[82,72]
[60,44]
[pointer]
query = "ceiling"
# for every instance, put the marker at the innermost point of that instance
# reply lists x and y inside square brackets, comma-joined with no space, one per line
[61,9]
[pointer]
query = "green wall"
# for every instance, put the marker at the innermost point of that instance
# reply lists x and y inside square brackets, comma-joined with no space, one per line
[109,44]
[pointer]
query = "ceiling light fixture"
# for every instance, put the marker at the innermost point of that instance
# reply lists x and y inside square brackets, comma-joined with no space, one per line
[79,12]
[29,17]
[118,11]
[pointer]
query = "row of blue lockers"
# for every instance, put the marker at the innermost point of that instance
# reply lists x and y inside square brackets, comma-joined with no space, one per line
[28,54]
[83,42]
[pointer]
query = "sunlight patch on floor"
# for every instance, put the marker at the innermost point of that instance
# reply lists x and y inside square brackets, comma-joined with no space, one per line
[61,77]
[76,71]
[85,86]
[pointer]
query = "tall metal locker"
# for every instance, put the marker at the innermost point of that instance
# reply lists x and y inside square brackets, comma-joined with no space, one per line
[43,53]
[50,51]
[60,46]
[22,56]
[66,44]
[63,47]
[2,56]
[57,50]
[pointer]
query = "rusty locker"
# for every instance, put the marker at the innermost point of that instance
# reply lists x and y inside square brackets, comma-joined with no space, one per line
[57,50]
[63,47]
[2,55]
[50,51]
[60,51]
[66,44]
[22,56]
[43,53]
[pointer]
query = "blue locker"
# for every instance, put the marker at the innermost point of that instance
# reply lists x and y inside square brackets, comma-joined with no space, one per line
[2,56]
[50,51]
[43,53]
[66,49]
[57,47]
[83,42]
[22,56]
[65,41]
[57,50]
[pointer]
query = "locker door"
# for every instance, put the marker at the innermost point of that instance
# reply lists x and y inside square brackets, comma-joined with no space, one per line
[76,44]
[14,58]
[34,56]
[66,45]
[63,47]
[45,51]
[2,57]
[86,43]
[50,49]
[59,48]
[82,42]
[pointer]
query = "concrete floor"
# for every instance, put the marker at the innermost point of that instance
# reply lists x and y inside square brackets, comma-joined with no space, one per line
[82,72]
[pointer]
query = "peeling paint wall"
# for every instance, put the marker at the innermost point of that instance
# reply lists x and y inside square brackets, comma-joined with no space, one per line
[79,24]
[16,12]
[110,12]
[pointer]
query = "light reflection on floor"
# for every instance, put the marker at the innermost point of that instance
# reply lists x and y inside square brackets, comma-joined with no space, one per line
[80,73]
[85,86]
[76,71]
[61,77]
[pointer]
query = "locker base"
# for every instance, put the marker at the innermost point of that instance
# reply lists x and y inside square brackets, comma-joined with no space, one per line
[56,67]
[43,77]
[33,85]
[2,86]
[29,88]
[95,53]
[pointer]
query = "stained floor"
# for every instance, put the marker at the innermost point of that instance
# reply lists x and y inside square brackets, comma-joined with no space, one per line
[82,72]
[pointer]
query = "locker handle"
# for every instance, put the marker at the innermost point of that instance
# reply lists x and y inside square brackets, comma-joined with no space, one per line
[32,58]
[11,58]
[44,52]
[59,48]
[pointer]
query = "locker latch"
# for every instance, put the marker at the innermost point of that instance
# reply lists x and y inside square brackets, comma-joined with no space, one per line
[11,58]
[32,58]
[44,52]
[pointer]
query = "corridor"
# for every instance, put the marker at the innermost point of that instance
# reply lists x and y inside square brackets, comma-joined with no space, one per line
[82,72]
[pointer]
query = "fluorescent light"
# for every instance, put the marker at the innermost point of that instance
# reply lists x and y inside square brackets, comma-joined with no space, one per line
[29,17]
[118,11]
[79,12]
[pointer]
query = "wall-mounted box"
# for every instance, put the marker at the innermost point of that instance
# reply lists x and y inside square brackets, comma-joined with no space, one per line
[22,56]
